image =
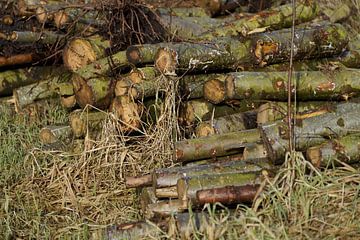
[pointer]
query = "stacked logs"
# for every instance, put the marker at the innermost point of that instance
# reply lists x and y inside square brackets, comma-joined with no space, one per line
[232,74]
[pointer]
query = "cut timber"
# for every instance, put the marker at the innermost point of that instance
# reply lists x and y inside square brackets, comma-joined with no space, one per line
[9,80]
[350,59]
[216,145]
[311,85]
[147,197]
[96,91]
[230,123]
[261,49]
[342,120]
[142,54]
[167,177]
[276,18]
[345,149]
[168,192]
[135,182]
[128,112]
[220,7]
[68,101]
[165,208]
[272,111]
[57,85]
[201,110]
[53,134]
[32,37]
[189,186]
[229,158]
[18,59]
[254,151]
[228,195]
[83,122]
[80,52]
[182,12]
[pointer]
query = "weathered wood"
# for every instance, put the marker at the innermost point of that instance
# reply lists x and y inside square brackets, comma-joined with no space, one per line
[230,123]
[311,85]
[44,37]
[146,197]
[18,59]
[345,149]
[342,120]
[128,112]
[53,134]
[135,182]
[216,145]
[83,122]
[165,208]
[167,192]
[182,12]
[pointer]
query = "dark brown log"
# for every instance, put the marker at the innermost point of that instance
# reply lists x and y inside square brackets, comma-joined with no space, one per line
[17,59]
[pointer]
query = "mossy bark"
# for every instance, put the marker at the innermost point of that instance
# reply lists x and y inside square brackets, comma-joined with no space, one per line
[165,208]
[167,192]
[44,37]
[53,134]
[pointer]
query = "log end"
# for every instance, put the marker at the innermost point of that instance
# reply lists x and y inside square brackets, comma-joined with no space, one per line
[68,101]
[133,55]
[166,61]
[82,90]
[205,129]
[46,136]
[128,112]
[181,189]
[136,76]
[214,91]
[78,53]
[61,18]
[41,15]
[313,154]
[77,125]
[123,87]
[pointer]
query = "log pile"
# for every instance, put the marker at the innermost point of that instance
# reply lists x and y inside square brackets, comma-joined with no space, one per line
[232,74]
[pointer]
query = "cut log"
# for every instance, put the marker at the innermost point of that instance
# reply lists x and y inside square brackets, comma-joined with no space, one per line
[216,145]
[228,195]
[18,59]
[44,37]
[96,91]
[53,134]
[9,80]
[262,49]
[254,151]
[128,112]
[272,111]
[80,52]
[342,120]
[167,177]
[68,101]
[230,123]
[165,208]
[144,89]
[182,12]
[230,158]
[135,182]
[332,152]
[83,122]
[147,197]
[311,85]
[189,186]
[216,7]
[167,192]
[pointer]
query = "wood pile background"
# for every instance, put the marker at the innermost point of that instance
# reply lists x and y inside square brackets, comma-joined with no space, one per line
[229,62]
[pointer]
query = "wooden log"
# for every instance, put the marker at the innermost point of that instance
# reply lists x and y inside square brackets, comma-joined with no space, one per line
[146,197]
[167,177]
[229,158]
[332,152]
[262,49]
[341,121]
[17,59]
[189,186]
[44,37]
[228,195]
[167,192]
[182,12]
[216,145]
[215,7]
[165,208]
[68,102]
[255,151]
[135,182]
[272,111]
[350,59]
[230,123]
[311,85]
[53,134]
[80,52]
[128,112]
[83,122]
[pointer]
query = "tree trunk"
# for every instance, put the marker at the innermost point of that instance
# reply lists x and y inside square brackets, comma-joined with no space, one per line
[230,123]
[351,59]
[216,145]
[228,195]
[44,37]
[189,186]
[167,177]
[80,52]
[18,59]
[128,112]
[342,120]
[83,122]
[310,85]
[215,7]
[53,134]
[182,12]
[330,153]
[136,182]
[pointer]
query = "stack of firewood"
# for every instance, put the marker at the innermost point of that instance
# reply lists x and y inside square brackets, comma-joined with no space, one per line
[232,74]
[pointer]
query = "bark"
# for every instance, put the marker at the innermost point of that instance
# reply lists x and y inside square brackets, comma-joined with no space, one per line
[272,111]
[96,91]
[262,49]
[136,182]
[310,85]
[9,80]
[342,120]
[83,123]
[57,85]
[216,145]
[226,124]
[128,112]
[332,152]
[189,186]
[350,59]
[167,192]
[142,54]
[276,18]
[165,208]
[183,12]
[167,177]
[80,52]
[53,134]
[44,37]
[147,197]
[214,7]
[255,151]
[228,195]
[235,157]
[201,110]
[18,59]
